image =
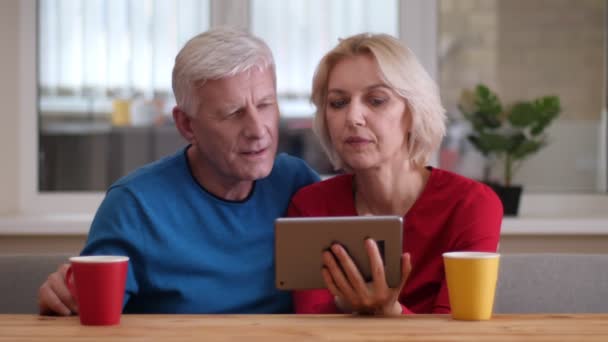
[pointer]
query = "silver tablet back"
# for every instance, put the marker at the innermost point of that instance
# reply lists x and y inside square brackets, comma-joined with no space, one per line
[299,243]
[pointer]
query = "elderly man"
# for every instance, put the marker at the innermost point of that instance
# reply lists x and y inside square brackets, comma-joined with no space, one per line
[198,225]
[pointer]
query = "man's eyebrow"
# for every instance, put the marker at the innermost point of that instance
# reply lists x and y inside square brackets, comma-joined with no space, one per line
[230,106]
[267,98]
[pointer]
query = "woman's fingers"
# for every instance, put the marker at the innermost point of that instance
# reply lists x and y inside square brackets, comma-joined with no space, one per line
[344,280]
[351,270]
[329,282]
[406,268]
[339,278]
[377,267]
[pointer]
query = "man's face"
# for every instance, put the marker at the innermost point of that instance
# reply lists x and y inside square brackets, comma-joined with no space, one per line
[235,128]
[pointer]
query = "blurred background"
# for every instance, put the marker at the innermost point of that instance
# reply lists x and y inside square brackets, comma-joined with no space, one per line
[104,78]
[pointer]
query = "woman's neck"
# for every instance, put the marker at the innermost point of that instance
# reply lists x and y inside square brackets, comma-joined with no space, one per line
[388,190]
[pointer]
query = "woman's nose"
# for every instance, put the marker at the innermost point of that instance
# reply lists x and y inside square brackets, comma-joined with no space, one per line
[355,114]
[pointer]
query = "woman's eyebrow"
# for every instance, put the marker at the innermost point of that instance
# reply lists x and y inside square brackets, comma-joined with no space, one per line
[371,87]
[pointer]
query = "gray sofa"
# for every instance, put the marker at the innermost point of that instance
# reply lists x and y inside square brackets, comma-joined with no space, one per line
[552,283]
[20,278]
[528,283]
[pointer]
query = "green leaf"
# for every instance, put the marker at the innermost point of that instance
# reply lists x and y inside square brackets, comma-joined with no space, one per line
[526,148]
[523,114]
[514,141]
[548,109]
[489,120]
[487,102]
[493,142]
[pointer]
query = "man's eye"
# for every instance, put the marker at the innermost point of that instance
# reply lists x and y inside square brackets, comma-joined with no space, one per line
[233,113]
[337,104]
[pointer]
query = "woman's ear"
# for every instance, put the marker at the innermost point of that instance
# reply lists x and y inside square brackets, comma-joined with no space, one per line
[183,122]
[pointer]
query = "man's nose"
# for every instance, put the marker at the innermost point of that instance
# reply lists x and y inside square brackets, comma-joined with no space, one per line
[254,125]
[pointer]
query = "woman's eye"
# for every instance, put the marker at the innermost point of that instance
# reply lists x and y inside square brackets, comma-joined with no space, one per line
[377,101]
[337,104]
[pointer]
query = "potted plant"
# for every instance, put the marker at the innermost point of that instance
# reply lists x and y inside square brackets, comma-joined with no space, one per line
[507,134]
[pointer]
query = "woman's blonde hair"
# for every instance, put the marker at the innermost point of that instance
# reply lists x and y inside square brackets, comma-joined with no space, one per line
[401,71]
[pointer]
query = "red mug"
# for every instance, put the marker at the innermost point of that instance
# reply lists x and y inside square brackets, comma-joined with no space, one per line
[98,286]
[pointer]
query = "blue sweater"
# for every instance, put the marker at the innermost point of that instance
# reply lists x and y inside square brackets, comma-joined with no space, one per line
[190,251]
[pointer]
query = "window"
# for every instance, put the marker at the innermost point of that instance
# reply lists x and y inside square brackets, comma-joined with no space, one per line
[299,33]
[105,86]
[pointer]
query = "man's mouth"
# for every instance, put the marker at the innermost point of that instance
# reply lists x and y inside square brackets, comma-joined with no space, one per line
[253,153]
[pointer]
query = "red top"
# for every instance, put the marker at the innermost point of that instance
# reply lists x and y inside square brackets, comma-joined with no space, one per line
[453,213]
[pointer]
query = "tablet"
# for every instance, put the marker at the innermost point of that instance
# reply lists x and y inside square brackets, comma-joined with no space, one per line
[299,243]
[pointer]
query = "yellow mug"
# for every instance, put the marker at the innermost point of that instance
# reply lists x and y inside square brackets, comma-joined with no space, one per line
[471,279]
[121,112]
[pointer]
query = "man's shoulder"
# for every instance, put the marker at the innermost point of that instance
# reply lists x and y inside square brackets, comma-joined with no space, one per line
[285,161]
[166,168]
[292,169]
[145,189]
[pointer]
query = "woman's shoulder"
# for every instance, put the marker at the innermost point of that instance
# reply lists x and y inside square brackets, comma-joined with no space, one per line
[334,185]
[452,186]
[451,181]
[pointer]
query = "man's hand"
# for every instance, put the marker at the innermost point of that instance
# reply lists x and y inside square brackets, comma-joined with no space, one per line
[54,297]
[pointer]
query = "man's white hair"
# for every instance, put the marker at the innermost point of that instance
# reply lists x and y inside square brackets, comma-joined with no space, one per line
[215,54]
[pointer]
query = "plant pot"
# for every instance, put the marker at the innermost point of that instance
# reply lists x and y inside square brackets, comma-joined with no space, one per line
[509,196]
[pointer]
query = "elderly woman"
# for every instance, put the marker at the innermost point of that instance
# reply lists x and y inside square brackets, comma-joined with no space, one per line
[379,118]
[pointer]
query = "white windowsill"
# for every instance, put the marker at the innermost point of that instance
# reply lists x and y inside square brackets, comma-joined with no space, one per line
[555,226]
[46,225]
[79,225]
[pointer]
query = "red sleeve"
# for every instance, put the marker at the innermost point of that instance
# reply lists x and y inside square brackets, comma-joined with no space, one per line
[405,310]
[314,302]
[293,211]
[322,302]
[442,301]
[475,228]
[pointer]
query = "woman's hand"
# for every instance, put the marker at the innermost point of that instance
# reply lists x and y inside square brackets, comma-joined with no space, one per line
[344,281]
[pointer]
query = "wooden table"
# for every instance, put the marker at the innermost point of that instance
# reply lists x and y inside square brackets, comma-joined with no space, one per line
[293,328]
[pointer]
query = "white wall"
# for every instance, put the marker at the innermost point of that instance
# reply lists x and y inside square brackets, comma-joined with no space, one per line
[9,99]
[572,152]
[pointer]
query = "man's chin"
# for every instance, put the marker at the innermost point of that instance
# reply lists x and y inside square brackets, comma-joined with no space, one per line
[256,171]
[260,166]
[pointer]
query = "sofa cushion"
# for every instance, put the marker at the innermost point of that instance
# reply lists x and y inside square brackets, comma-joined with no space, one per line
[552,283]
[21,277]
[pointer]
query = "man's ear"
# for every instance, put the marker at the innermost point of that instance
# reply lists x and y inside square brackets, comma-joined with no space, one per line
[183,123]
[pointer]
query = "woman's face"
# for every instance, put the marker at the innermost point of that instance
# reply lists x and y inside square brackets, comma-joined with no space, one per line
[366,119]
